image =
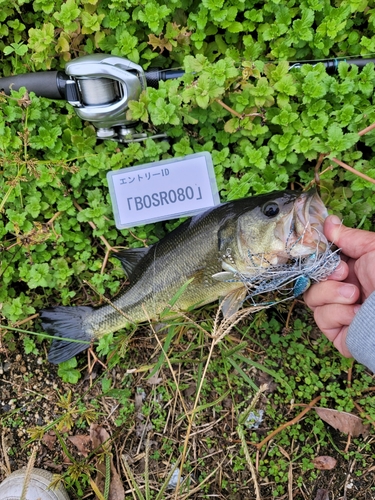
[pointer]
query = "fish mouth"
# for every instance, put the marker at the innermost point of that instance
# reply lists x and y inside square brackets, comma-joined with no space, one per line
[306,235]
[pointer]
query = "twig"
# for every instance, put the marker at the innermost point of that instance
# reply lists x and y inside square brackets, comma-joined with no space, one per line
[249,461]
[241,116]
[134,488]
[317,167]
[105,260]
[218,334]
[367,129]
[228,108]
[342,164]
[52,219]
[290,481]
[28,472]
[360,409]
[7,467]
[353,170]
[368,389]
[348,477]
[90,366]
[311,183]
[350,373]
[287,424]
[290,313]
[22,321]
[348,441]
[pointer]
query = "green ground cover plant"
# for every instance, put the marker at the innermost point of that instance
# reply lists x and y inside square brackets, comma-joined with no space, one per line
[265,124]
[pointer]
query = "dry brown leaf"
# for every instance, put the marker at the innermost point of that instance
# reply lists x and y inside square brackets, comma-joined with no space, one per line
[49,464]
[65,459]
[284,452]
[49,439]
[154,380]
[343,422]
[82,443]
[190,391]
[159,43]
[116,489]
[183,37]
[324,463]
[99,436]
[322,495]
[138,403]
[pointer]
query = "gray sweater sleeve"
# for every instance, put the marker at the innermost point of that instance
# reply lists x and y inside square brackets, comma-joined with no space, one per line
[361,334]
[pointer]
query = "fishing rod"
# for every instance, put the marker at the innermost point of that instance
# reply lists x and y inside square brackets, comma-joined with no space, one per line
[100,86]
[331,64]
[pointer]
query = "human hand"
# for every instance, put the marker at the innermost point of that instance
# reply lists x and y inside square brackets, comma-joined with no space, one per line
[336,301]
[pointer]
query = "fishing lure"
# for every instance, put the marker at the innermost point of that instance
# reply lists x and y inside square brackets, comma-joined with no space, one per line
[289,280]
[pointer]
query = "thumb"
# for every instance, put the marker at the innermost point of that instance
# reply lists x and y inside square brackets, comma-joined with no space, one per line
[353,242]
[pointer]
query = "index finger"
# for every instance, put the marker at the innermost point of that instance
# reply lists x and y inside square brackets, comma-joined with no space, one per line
[353,242]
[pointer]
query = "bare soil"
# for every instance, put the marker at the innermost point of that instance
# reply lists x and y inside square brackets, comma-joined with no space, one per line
[30,399]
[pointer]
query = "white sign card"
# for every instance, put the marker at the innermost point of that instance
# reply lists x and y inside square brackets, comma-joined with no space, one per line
[163,190]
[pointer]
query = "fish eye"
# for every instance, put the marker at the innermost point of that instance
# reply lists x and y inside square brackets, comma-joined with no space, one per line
[270,209]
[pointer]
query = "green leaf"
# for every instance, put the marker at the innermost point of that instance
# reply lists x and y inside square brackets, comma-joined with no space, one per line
[205,90]
[257,156]
[137,111]
[17,308]
[67,371]
[154,15]
[41,39]
[314,87]
[105,344]
[182,147]
[213,4]
[46,138]
[337,141]
[30,346]
[91,22]
[302,27]
[163,112]
[286,85]
[262,92]
[195,64]
[69,12]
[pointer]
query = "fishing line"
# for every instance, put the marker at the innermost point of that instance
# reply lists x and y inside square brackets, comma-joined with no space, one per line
[153,295]
[98,91]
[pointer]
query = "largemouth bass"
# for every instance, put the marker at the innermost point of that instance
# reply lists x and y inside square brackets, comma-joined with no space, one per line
[236,250]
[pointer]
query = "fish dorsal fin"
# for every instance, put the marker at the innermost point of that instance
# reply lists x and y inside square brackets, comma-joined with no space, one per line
[233,301]
[130,258]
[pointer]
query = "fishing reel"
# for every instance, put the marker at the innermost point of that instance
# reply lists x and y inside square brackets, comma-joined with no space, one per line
[99,87]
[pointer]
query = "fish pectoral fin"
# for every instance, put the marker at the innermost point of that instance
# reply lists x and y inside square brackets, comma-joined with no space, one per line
[130,258]
[197,275]
[233,301]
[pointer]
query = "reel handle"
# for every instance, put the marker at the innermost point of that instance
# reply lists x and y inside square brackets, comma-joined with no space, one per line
[49,84]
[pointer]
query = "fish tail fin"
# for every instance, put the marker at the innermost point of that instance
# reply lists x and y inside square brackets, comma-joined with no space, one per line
[66,323]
